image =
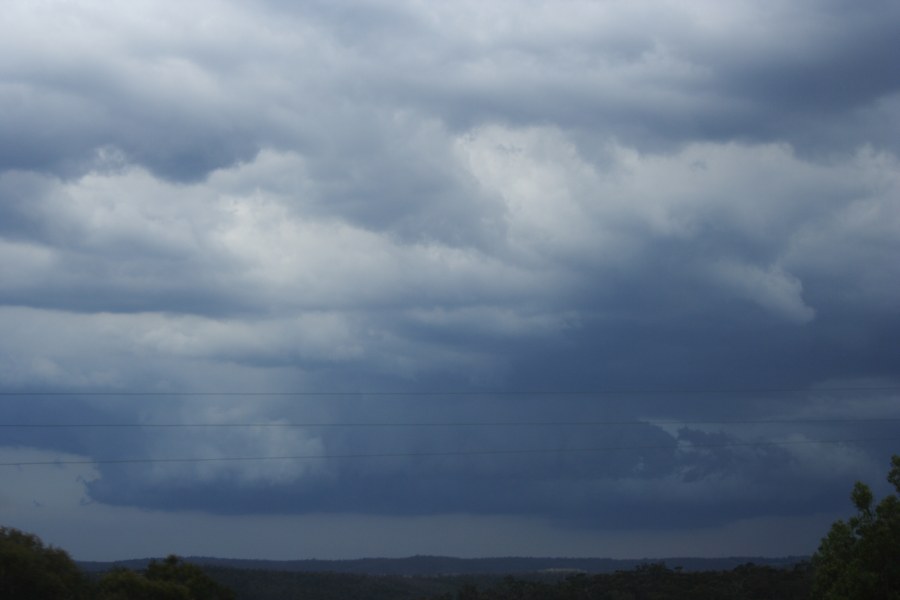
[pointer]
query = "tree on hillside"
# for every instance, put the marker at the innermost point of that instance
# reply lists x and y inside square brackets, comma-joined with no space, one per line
[199,585]
[860,558]
[123,584]
[30,570]
[171,579]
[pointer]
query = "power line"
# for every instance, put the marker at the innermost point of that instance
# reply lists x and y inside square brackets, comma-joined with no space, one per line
[435,454]
[460,393]
[451,424]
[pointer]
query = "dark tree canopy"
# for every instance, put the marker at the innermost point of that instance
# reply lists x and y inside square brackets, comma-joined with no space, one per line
[122,584]
[171,579]
[860,558]
[192,578]
[30,570]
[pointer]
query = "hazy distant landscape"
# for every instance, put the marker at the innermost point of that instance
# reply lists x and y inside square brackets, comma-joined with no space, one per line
[856,560]
[29,569]
[418,566]
[511,582]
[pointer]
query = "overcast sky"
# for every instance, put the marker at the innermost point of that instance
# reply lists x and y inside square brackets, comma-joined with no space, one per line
[504,278]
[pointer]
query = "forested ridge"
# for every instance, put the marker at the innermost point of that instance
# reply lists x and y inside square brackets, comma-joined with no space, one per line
[651,580]
[646,582]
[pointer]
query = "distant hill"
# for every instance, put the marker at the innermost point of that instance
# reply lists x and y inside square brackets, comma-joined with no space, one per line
[446,578]
[443,565]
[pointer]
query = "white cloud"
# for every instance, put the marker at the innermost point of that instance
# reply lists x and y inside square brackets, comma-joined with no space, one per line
[771,288]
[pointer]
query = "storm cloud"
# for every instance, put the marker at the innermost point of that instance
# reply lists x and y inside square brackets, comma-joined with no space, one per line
[607,266]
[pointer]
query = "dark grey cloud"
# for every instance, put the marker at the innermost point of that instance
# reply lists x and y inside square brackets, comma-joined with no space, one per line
[183,100]
[63,127]
[834,60]
[705,482]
